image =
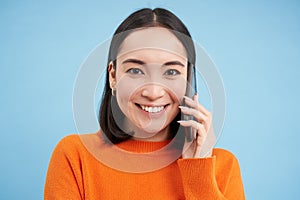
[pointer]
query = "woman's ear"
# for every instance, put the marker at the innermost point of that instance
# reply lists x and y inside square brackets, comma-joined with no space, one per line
[112,75]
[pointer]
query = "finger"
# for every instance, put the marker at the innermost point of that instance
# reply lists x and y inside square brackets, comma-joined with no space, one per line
[200,117]
[201,132]
[199,145]
[202,135]
[195,97]
[197,151]
[189,123]
[195,104]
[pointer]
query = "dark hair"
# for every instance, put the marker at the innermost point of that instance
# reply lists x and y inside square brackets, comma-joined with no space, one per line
[146,17]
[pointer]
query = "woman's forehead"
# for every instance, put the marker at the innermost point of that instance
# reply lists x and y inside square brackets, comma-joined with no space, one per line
[158,38]
[152,56]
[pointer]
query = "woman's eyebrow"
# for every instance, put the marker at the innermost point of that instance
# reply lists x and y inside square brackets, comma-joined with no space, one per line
[136,61]
[173,63]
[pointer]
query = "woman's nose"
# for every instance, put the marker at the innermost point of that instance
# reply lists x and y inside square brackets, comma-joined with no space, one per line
[153,91]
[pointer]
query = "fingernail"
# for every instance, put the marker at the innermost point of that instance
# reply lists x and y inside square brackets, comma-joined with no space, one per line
[182,107]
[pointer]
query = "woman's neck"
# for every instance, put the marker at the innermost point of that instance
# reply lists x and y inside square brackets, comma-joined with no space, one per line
[141,134]
[146,135]
[158,137]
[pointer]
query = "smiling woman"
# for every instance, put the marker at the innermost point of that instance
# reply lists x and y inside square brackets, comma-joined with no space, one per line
[141,150]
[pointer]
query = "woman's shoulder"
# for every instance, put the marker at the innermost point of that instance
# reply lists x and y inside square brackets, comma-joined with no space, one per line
[71,138]
[68,141]
[224,152]
[74,143]
[224,156]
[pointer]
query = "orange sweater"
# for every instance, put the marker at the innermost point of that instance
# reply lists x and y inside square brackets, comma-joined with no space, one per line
[74,173]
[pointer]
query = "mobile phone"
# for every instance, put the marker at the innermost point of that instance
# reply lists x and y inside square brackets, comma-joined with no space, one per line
[191,90]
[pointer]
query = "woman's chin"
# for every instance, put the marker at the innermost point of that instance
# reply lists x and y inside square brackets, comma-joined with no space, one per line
[147,133]
[152,133]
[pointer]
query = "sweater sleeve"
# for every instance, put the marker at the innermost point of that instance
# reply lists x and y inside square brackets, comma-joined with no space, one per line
[214,178]
[64,180]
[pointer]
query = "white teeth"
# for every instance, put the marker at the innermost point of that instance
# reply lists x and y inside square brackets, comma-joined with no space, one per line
[152,109]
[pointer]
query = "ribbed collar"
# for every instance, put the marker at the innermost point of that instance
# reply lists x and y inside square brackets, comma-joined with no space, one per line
[142,146]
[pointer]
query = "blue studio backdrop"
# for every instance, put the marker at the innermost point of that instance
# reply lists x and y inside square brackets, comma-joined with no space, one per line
[255,45]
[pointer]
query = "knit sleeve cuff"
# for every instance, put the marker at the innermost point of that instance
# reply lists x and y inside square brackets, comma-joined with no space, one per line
[195,168]
[198,177]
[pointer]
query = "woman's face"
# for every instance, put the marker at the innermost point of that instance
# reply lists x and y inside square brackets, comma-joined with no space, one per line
[150,80]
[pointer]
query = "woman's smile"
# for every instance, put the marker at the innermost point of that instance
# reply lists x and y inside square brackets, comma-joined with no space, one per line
[152,109]
[145,112]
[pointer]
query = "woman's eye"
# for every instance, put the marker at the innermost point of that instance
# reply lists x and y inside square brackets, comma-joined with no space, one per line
[172,72]
[135,71]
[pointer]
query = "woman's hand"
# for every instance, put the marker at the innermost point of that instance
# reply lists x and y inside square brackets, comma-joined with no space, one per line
[201,125]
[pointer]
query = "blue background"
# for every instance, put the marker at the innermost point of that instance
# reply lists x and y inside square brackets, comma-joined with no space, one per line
[256,46]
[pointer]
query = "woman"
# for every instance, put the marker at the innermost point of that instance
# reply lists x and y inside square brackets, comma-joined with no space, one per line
[146,147]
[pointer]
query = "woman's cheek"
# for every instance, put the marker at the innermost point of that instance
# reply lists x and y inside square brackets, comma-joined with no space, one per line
[177,88]
[125,89]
